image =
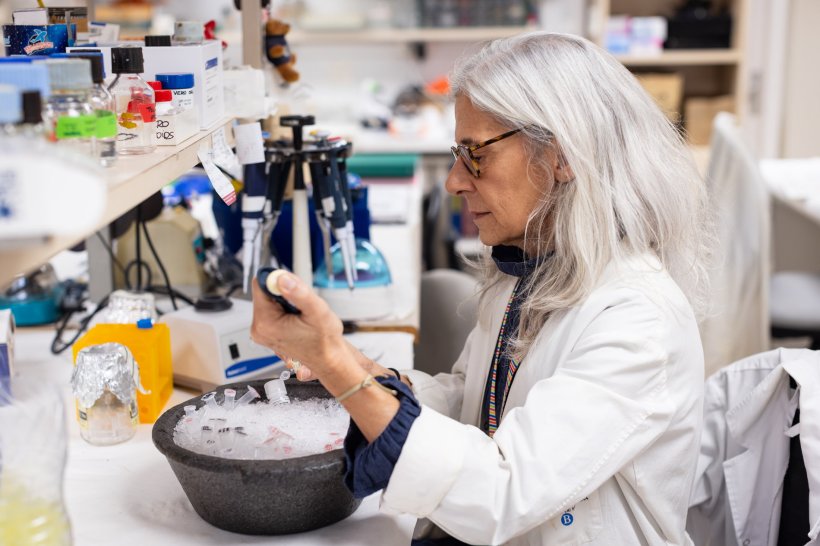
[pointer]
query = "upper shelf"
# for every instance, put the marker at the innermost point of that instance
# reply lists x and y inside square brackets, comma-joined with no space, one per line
[403,35]
[130,182]
[683,57]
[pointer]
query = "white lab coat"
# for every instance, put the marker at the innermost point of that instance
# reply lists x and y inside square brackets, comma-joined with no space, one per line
[748,413]
[599,438]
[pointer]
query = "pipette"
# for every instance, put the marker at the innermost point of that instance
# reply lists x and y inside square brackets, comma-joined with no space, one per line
[267,277]
[253,206]
[344,151]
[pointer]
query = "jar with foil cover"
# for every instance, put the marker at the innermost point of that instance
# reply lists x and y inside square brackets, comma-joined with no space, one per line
[126,307]
[105,381]
[32,461]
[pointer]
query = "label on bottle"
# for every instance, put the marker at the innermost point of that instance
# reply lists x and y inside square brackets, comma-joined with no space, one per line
[76,127]
[148,111]
[183,98]
[106,124]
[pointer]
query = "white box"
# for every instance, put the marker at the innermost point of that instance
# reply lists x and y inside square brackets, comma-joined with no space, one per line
[6,349]
[203,60]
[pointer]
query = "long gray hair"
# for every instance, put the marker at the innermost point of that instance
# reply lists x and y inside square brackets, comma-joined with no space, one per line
[636,188]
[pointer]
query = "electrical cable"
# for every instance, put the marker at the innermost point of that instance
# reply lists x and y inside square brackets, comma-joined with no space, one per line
[163,291]
[138,250]
[110,250]
[160,265]
[140,265]
[56,348]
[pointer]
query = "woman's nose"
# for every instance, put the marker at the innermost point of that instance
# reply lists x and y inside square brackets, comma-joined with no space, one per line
[459,179]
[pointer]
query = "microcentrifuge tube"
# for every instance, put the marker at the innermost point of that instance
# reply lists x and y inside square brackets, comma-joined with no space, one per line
[276,392]
[228,397]
[210,400]
[249,396]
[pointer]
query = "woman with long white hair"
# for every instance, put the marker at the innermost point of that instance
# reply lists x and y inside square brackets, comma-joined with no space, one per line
[573,413]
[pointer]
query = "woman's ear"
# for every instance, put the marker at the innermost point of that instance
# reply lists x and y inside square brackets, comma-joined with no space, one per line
[561,169]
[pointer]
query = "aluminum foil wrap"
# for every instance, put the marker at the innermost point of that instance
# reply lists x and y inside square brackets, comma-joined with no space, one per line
[126,307]
[107,366]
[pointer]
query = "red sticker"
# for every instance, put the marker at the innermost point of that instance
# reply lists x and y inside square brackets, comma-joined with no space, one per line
[148,111]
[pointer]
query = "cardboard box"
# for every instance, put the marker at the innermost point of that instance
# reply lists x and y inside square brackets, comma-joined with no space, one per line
[203,60]
[667,90]
[700,112]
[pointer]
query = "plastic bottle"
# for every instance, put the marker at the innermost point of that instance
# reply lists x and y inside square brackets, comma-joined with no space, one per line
[105,135]
[10,111]
[33,454]
[26,76]
[70,120]
[182,87]
[134,102]
[32,126]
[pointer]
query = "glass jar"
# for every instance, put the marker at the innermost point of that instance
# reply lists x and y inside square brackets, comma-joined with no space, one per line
[104,382]
[133,101]
[70,119]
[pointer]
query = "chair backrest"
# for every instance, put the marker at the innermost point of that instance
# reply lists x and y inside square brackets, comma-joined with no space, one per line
[449,311]
[738,322]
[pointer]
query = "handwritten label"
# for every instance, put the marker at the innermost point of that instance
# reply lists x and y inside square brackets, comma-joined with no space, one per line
[249,145]
[76,126]
[219,181]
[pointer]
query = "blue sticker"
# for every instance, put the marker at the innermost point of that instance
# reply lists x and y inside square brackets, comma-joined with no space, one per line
[566,519]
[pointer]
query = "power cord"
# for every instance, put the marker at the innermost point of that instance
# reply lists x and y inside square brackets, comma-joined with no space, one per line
[58,346]
[159,264]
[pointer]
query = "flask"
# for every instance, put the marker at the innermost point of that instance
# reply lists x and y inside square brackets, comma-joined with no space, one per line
[134,102]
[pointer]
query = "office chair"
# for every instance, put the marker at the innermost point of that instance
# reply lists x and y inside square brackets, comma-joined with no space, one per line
[449,311]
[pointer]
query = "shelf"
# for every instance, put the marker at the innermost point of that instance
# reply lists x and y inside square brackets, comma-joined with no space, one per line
[403,35]
[681,57]
[130,182]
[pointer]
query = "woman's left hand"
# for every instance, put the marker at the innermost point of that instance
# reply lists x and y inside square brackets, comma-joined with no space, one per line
[314,337]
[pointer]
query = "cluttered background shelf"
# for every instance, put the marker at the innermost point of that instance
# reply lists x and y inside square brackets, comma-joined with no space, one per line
[131,181]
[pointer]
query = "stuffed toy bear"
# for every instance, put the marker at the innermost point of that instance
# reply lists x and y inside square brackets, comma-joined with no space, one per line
[277,50]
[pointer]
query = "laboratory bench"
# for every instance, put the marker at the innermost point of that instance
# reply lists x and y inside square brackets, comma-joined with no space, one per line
[128,495]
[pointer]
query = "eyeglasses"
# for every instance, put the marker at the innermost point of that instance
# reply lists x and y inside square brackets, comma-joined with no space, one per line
[465,153]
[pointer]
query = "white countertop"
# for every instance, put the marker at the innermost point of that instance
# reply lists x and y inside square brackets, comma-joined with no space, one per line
[127,494]
[795,183]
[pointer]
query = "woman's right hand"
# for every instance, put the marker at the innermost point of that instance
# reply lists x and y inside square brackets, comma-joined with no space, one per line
[370,366]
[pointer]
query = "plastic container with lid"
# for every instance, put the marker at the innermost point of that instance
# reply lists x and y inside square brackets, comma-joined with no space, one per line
[134,102]
[174,123]
[27,76]
[182,86]
[69,117]
[188,32]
